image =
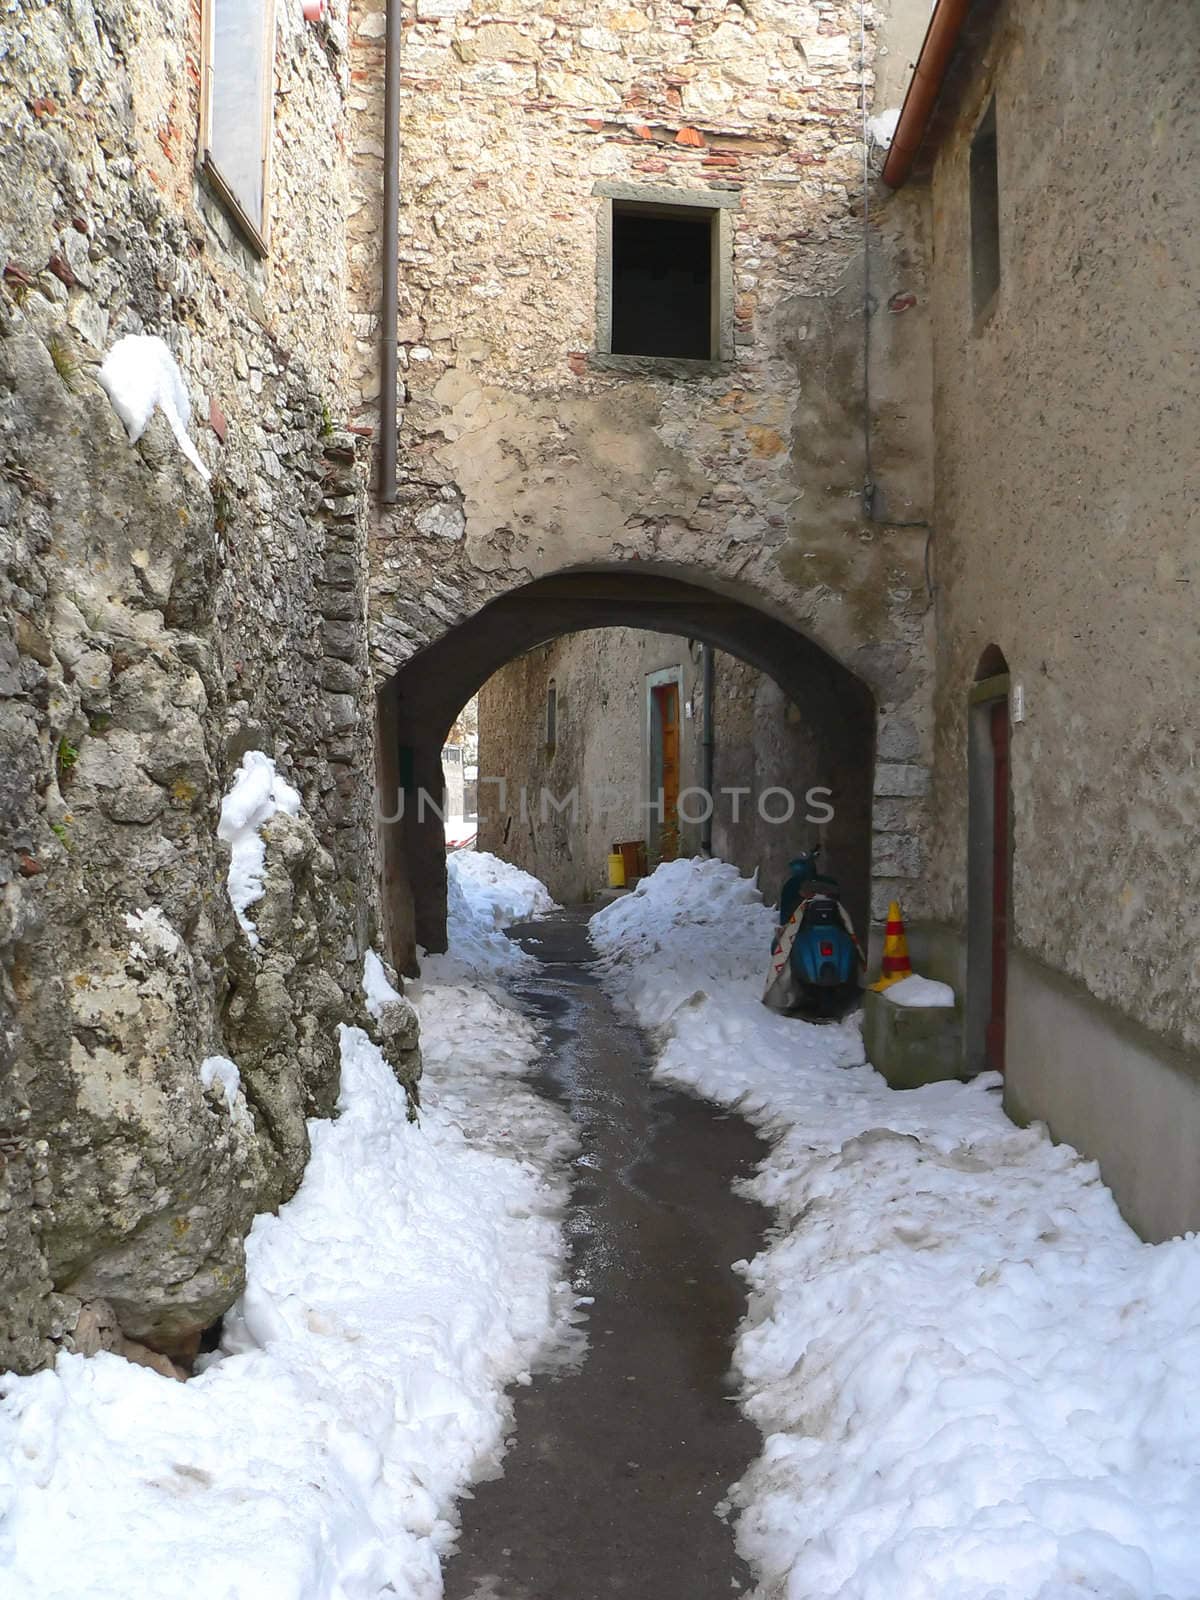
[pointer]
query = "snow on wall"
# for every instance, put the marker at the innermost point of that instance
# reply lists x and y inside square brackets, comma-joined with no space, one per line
[258,792]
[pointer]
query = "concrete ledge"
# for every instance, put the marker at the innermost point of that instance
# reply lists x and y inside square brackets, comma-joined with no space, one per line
[911,1045]
[1111,1088]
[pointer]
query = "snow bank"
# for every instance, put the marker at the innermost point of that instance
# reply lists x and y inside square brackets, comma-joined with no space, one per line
[918,991]
[484,895]
[419,1269]
[140,373]
[973,1380]
[258,793]
[690,923]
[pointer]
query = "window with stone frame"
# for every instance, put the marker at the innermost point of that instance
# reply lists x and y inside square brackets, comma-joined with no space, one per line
[664,275]
[236,103]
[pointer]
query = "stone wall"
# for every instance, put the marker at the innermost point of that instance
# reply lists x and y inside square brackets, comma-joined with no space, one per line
[526,451]
[601,754]
[154,629]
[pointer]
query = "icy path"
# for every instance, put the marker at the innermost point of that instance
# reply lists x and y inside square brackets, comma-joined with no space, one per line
[974,1381]
[617,1469]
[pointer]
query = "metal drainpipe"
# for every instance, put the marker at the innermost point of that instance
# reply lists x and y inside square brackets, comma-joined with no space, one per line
[391,251]
[707,744]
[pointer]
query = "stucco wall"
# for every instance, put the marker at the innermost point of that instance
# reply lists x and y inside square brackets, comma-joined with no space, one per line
[1066,519]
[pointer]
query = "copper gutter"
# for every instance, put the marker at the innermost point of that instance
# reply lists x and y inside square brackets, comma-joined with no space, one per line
[940,39]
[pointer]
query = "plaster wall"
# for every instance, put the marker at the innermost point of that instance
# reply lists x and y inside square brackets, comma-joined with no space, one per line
[601,679]
[765,759]
[1067,535]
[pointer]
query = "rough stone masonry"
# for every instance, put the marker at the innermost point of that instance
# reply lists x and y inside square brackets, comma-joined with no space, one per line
[154,629]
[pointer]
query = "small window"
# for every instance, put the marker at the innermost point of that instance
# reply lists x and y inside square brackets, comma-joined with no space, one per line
[236,103]
[985,214]
[663,281]
[551,716]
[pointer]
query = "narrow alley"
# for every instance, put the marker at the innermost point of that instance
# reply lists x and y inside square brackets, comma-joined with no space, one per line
[618,1465]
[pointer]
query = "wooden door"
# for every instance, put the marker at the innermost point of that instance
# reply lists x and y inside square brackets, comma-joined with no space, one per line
[666,700]
[1000,885]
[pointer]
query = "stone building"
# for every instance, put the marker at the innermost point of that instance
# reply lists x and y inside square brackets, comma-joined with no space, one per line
[562,467]
[574,739]
[1065,260]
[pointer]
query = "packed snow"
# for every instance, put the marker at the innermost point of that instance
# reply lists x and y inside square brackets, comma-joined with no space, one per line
[258,793]
[483,896]
[140,373]
[974,1382]
[359,1388]
[918,991]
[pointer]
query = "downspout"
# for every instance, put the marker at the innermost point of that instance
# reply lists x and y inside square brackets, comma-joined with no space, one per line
[707,747]
[390,314]
[940,39]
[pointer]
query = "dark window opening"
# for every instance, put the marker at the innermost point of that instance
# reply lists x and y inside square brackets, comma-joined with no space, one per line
[662,282]
[985,214]
[551,716]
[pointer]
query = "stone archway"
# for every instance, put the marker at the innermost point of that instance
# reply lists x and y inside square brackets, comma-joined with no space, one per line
[418,704]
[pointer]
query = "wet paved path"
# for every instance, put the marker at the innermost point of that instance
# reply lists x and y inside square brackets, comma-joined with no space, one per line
[616,1468]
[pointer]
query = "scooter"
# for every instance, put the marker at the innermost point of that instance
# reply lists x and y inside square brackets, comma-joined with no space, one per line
[817,940]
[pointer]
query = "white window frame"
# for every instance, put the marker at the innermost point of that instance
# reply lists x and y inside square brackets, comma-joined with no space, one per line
[258,232]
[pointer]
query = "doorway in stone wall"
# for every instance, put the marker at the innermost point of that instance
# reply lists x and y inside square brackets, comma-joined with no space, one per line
[664,767]
[989,863]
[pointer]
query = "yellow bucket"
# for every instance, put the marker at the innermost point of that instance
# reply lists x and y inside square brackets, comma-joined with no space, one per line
[616,870]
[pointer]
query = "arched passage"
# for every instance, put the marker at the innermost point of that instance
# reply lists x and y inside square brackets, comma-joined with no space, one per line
[419,703]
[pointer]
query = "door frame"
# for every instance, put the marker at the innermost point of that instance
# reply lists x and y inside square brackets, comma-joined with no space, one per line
[657,680]
[981,841]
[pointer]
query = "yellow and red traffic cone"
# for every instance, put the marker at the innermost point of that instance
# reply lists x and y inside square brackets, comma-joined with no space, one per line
[896,964]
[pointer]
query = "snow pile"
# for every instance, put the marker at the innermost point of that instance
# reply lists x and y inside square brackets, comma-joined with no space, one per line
[974,1381]
[378,991]
[418,1271]
[918,991]
[220,1070]
[483,896]
[258,793]
[140,373]
[690,923]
